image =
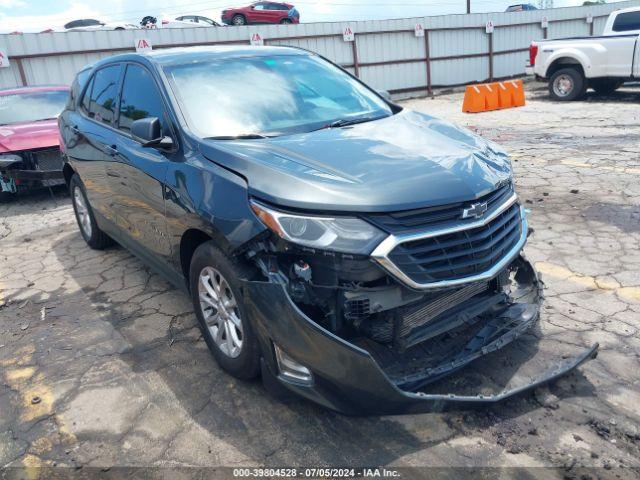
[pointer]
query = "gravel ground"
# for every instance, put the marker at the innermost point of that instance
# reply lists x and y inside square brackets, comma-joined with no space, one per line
[102,364]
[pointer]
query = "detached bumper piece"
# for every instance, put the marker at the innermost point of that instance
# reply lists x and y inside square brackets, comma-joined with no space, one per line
[38,168]
[362,376]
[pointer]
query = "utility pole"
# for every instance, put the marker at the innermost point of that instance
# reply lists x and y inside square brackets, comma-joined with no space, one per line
[468,6]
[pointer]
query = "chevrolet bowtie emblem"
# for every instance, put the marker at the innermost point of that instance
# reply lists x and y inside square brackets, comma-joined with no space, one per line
[476,210]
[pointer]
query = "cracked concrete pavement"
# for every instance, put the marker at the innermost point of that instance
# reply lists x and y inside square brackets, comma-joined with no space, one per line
[102,363]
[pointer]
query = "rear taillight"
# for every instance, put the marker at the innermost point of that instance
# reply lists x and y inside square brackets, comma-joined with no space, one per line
[165,22]
[533,53]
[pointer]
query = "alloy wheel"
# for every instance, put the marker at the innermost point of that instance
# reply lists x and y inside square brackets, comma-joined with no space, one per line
[82,211]
[220,311]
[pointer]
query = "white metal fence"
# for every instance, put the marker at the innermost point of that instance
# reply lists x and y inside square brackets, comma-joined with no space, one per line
[387,54]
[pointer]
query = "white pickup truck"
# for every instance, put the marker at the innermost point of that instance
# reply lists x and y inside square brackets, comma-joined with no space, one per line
[603,63]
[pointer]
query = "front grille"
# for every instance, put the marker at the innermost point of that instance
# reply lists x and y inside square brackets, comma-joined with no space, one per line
[423,218]
[47,160]
[461,254]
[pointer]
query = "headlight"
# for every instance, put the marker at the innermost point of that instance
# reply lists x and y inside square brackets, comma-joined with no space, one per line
[7,159]
[339,234]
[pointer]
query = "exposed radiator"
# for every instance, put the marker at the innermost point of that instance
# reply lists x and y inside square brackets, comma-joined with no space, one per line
[419,315]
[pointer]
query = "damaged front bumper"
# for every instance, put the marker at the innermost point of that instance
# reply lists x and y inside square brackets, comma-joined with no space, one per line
[351,378]
[39,168]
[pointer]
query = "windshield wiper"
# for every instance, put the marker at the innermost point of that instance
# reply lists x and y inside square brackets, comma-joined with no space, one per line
[244,136]
[344,122]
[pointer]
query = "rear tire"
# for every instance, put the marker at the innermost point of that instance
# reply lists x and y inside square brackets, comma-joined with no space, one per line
[238,20]
[567,84]
[286,21]
[605,86]
[95,238]
[214,281]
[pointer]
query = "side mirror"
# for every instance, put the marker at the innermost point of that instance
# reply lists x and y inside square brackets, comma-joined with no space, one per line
[148,132]
[384,94]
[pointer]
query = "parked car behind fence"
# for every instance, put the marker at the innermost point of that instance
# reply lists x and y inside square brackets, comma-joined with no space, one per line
[261,12]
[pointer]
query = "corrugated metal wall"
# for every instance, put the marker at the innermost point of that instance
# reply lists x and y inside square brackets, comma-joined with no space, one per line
[388,55]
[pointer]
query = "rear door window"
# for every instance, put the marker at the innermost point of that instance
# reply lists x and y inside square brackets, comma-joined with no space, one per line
[102,103]
[626,22]
[140,98]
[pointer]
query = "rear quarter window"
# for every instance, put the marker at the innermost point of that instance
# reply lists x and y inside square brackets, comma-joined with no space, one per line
[76,88]
[627,22]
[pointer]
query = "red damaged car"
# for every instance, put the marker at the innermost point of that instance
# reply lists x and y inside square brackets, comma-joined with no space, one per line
[261,12]
[29,142]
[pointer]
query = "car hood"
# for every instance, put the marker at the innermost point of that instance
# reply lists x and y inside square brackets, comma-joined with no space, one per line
[28,136]
[408,160]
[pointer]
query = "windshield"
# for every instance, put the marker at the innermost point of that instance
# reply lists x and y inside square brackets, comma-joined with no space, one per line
[269,95]
[32,106]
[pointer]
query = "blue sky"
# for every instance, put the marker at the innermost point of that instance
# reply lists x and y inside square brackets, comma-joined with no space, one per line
[37,15]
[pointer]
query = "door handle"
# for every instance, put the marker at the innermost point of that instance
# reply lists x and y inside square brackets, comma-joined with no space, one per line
[75,129]
[111,149]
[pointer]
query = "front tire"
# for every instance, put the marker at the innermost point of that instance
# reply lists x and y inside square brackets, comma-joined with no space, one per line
[605,86]
[6,197]
[238,20]
[286,21]
[567,84]
[95,238]
[214,279]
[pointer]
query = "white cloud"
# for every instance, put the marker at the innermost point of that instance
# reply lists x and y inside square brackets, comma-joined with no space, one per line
[12,3]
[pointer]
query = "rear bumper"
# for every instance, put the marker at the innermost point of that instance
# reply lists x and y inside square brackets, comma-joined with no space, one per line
[349,380]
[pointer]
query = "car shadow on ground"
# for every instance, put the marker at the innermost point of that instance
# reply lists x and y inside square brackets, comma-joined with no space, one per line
[627,93]
[142,322]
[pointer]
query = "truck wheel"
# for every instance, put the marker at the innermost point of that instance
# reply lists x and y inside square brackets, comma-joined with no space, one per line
[95,238]
[567,84]
[605,86]
[214,279]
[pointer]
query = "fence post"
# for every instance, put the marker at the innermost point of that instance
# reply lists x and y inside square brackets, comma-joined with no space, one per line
[427,58]
[591,29]
[354,51]
[490,56]
[23,76]
[545,33]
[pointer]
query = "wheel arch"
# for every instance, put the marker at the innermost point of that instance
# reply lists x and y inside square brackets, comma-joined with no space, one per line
[68,172]
[565,61]
[191,239]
